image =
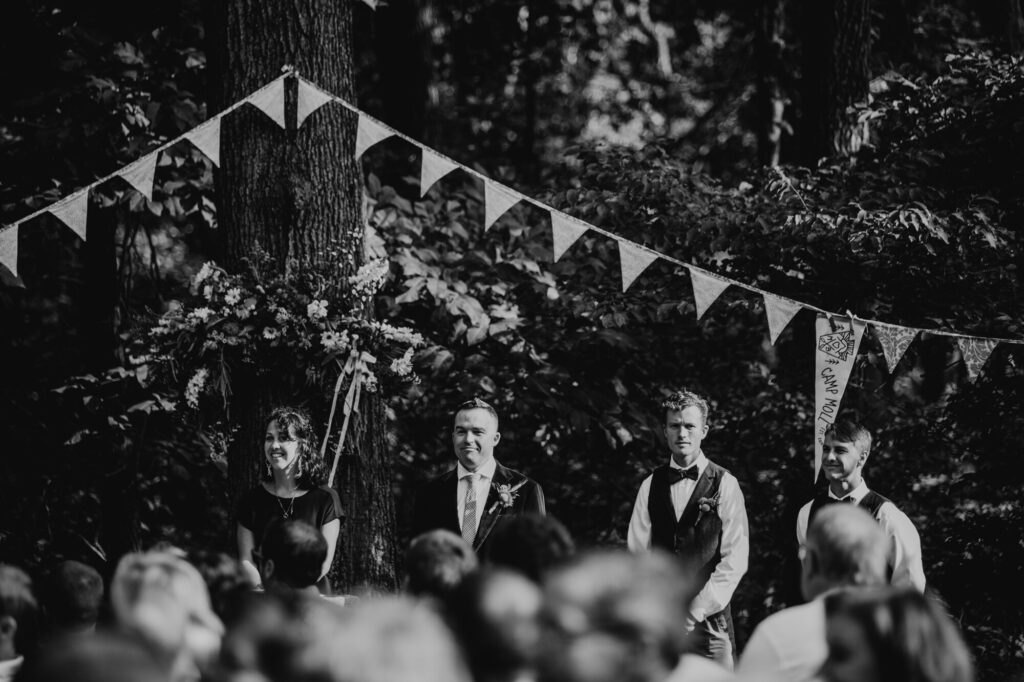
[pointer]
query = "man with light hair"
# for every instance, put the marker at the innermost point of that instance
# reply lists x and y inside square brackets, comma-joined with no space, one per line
[845,549]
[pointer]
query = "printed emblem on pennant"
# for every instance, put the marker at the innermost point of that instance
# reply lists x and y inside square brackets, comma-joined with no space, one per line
[837,344]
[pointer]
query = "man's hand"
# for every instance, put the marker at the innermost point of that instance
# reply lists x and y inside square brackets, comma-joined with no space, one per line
[691,623]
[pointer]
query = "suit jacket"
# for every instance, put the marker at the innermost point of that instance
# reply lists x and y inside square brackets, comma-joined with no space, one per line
[437,505]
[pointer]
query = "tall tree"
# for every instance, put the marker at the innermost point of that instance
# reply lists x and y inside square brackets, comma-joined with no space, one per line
[771,102]
[297,195]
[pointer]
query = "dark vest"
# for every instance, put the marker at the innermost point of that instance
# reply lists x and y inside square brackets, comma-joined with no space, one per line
[872,502]
[695,537]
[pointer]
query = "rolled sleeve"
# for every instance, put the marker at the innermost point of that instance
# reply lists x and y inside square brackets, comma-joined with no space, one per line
[638,537]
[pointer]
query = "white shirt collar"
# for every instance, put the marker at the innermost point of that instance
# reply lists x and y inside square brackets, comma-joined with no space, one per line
[857,494]
[701,463]
[486,471]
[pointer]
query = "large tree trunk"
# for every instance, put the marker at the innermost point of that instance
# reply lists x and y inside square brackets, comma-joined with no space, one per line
[771,103]
[292,193]
[836,37]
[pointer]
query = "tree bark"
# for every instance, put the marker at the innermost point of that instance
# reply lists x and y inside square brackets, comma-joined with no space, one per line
[771,102]
[293,193]
[836,37]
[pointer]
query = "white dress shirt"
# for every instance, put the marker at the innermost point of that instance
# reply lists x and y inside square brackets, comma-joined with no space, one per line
[483,485]
[735,544]
[904,542]
[787,645]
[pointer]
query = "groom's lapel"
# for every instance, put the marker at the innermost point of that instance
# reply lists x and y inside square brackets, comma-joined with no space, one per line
[491,509]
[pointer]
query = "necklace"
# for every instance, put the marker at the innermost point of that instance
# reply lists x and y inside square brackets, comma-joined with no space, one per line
[286,511]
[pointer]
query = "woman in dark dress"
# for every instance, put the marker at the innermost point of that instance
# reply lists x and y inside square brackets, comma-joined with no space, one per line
[292,488]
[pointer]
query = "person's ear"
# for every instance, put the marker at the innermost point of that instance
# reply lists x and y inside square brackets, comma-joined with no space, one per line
[497,437]
[8,628]
[267,569]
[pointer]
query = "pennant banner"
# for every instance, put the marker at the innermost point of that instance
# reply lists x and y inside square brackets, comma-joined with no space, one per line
[564,233]
[633,261]
[140,174]
[270,100]
[895,341]
[433,168]
[706,289]
[836,342]
[310,99]
[779,311]
[206,138]
[497,200]
[369,133]
[9,249]
[73,211]
[975,351]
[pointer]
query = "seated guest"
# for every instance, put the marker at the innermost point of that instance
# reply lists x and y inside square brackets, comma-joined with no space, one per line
[291,557]
[73,594]
[19,621]
[529,543]
[892,635]
[436,564]
[103,657]
[226,580]
[845,549]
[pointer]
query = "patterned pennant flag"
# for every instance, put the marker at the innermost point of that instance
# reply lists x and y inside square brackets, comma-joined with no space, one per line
[9,248]
[270,100]
[310,99]
[836,342]
[206,138]
[779,311]
[497,200]
[633,260]
[895,340]
[975,351]
[706,289]
[140,174]
[565,232]
[433,168]
[73,211]
[369,133]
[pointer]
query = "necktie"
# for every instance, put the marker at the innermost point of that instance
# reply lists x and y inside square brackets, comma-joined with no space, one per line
[469,513]
[676,475]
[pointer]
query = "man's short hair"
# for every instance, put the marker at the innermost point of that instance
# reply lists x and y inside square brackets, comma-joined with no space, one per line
[847,546]
[681,399]
[74,594]
[849,431]
[18,601]
[477,404]
[531,544]
[298,551]
[437,562]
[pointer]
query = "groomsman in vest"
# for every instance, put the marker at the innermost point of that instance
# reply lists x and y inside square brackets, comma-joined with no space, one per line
[470,499]
[845,452]
[694,508]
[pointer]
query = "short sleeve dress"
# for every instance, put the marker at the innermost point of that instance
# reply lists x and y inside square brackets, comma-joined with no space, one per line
[258,508]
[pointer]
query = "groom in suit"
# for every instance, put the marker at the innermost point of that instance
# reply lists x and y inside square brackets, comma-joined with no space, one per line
[471,498]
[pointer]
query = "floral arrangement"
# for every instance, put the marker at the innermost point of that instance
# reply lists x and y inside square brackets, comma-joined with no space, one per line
[706,505]
[506,495]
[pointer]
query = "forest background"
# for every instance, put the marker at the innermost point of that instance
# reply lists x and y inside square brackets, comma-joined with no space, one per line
[854,156]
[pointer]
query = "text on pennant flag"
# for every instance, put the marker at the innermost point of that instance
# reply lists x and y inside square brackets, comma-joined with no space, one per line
[975,351]
[497,200]
[9,248]
[73,211]
[836,342]
[564,233]
[270,100]
[309,99]
[206,138]
[780,312]
[140,174]
[432,168]
[368,134]
[633,261]
[895,340]
[706,289]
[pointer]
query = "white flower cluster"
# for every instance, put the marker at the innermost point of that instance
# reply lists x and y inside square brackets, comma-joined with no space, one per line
[400,335]
[200,315]
[317,310]
[403,366]
[369,278]
[195,387]
[334,341]
[233,296]
[208,270]
[270,333]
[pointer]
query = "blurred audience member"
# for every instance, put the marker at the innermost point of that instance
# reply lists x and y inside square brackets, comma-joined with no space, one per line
[530,543]
[226,580]
[19,621]
[436,564]
[103,657]
[291,557]
[846,548]
[72,598]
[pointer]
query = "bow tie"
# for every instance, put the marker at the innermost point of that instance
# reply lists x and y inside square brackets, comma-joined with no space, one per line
[676,475]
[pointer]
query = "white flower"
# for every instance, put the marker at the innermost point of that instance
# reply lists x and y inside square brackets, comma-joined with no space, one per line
[282,315]
[401,335]
[402,366]
[208,292]
[195,387]
[201,314]
[317,310]
[334,341]
[370,382]
[270,333]
[243,312]
[233,296]
[370,277]
[204,273]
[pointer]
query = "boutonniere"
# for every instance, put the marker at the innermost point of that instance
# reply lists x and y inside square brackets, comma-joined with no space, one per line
[506,495]
[706,505]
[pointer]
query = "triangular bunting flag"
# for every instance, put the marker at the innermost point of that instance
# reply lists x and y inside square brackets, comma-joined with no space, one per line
[310,99]
[836,342]
[9,248]
[633,260]
[706,288]
[895,341]
[564,232]
[140,174]
[73,211]
[270,100]
[433,168]
[497,200]
[206,138]
[975,351]
[371,3]
[779,311]
[369,133]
